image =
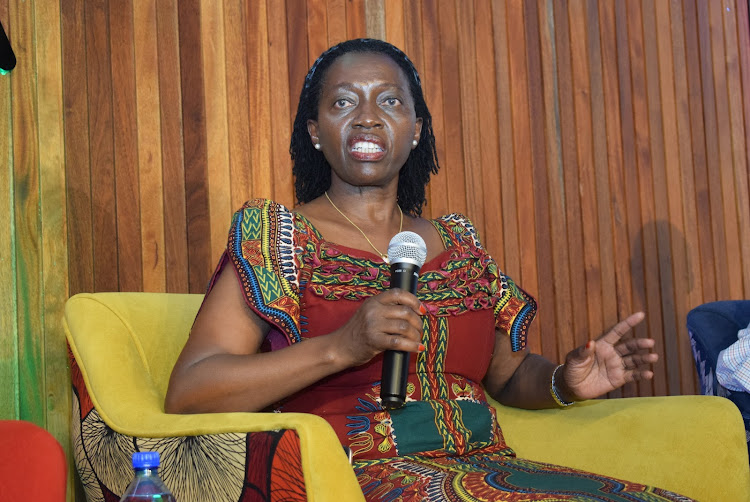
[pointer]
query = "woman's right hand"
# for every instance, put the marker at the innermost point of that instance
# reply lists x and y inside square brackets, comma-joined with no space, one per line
[388,321]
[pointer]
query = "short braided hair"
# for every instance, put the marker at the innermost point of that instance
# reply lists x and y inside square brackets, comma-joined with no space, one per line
[312,173]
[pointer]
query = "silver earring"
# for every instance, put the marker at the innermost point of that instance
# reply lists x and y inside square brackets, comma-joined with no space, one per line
[317,146]
[414,142]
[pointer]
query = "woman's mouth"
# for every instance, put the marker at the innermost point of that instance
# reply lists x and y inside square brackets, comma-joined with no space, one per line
[366,149]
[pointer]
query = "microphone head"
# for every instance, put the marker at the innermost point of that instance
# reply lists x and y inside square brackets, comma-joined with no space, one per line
[407,247]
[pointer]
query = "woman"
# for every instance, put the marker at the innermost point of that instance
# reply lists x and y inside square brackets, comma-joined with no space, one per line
[363,151]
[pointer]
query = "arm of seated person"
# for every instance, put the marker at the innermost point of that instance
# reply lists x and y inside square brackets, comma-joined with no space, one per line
[601,365]
[222,369]
[520,379]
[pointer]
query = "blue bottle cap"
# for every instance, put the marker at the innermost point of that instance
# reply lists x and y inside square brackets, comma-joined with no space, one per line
[146,459]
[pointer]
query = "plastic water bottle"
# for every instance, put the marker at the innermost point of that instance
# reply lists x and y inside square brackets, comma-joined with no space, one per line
[146,484]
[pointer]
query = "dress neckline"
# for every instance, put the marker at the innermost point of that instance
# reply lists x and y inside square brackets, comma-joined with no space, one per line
[448,245]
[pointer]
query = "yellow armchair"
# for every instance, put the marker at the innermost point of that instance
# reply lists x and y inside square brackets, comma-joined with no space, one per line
[124,345]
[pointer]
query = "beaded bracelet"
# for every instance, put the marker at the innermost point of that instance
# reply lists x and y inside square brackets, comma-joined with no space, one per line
[555,393]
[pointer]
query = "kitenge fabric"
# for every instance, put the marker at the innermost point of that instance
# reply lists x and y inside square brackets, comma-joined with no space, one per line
[491,477]
[226,467]
[446,443]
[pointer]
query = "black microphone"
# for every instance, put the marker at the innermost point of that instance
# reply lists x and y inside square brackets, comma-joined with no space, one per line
[7,58]
[407,252]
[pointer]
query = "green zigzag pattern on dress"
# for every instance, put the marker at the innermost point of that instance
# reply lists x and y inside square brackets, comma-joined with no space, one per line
[269,284]
[251,224]
[448,444]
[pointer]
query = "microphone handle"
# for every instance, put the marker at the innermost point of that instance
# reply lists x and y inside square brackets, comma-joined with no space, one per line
[396,362]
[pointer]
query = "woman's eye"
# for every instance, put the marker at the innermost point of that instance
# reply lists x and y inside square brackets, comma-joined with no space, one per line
[341,103]
[392,101]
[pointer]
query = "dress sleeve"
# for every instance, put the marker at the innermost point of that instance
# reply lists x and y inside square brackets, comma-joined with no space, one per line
[264,251]
[514,310]
[513,307]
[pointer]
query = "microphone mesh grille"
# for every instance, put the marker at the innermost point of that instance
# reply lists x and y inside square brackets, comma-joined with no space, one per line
[407,246]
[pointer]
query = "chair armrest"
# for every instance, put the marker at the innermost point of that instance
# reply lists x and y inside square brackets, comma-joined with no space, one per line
[693,445]
[127,391]
[326,469]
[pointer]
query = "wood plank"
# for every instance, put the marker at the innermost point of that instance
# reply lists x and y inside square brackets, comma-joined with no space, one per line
[453,168]
[77,162]
[356,20]
[541,260]
[238,112]
[101,144]
[432,86]
[375,19]
[335,21]
[297,59]
[725,173]
[200,262]
[281,132]
[259,79]
[317,29]
[470,132]
[26,201]
[413,46]
[715,226]
[628,87]
[509,258]
[683,40]
[148,112]
[739,180]
[566,182]
[558,296]
[173,167]
[653,192]
[393,12]
[217,133]
[488,167]
[524,212]
[675,291]
[586,171]
[601,172]
[609,42]
[704,257]
[647,239]
[743,30]
[125,126]
[9,377]
[54,256]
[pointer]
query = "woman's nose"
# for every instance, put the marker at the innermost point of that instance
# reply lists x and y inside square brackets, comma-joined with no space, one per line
[368,116]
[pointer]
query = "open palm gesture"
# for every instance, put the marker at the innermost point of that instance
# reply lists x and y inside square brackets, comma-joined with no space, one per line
[609,362]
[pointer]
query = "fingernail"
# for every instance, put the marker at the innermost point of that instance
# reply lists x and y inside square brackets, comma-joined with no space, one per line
[422,309]
[589,344]
[421,347]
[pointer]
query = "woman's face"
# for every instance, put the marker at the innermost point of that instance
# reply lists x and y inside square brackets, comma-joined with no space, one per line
[366,121]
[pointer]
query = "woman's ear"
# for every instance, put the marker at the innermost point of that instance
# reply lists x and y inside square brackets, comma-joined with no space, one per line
[417,130]
[312,130]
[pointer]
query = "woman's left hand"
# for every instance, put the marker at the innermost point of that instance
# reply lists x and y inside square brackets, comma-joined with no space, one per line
[607,363]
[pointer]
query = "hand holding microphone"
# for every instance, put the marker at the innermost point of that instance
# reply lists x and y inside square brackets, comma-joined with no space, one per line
[407,253]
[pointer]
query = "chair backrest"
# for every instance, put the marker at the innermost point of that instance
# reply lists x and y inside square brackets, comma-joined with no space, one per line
[126,345]
[715,325]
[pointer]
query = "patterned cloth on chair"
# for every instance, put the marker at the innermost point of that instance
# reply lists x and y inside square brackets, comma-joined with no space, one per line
[218,467]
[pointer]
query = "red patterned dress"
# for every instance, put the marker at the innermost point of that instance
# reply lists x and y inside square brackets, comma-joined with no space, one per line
[445,444]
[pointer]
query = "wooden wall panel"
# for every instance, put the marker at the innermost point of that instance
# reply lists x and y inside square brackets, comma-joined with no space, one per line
[601,149]
[9,399]
[125,106]
[173,166]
